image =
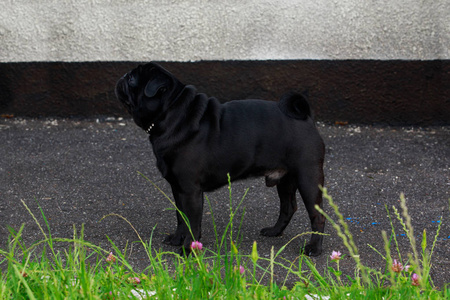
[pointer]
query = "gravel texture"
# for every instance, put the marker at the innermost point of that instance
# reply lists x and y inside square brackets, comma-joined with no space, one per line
[81,170]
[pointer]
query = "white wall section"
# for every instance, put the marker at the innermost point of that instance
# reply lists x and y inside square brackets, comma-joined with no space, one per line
[191,30]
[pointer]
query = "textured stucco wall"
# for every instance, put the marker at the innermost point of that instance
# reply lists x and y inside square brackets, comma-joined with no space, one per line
[190,30]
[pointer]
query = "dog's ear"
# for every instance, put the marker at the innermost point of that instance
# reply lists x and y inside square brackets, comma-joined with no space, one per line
[155,84]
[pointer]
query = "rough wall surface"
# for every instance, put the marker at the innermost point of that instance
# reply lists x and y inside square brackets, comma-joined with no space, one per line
[191,30]
[371,61]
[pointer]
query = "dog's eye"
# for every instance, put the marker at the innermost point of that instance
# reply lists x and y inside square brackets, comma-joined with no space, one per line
[132,81]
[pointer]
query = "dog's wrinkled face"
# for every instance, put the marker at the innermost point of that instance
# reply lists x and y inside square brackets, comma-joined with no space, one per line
[146,92]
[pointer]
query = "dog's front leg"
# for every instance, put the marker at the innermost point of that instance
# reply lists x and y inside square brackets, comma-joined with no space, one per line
[177,238]
[192,203]
[189,217]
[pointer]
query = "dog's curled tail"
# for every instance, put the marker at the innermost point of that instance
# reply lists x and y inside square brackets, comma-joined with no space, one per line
[295,105]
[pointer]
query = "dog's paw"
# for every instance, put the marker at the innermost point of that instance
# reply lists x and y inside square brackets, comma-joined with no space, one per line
[174,240]
[312,250]
[184,252]
[271,231]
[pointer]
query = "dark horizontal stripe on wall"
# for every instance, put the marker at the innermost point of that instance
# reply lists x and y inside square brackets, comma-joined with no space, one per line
[354,91]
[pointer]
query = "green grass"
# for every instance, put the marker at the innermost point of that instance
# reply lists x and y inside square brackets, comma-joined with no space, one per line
[83,270]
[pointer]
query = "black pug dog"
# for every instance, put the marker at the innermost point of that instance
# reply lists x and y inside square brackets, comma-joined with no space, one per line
[197,141]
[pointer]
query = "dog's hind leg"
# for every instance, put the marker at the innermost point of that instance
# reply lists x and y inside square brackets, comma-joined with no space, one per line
[310,178]
[288,205]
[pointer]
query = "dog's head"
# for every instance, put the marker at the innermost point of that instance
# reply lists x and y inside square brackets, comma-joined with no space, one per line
[147,91]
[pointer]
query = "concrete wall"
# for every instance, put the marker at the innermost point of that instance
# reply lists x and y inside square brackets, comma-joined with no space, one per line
[362,61]
[192,30]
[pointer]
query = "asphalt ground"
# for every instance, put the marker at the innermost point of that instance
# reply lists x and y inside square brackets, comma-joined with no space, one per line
[81,170]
